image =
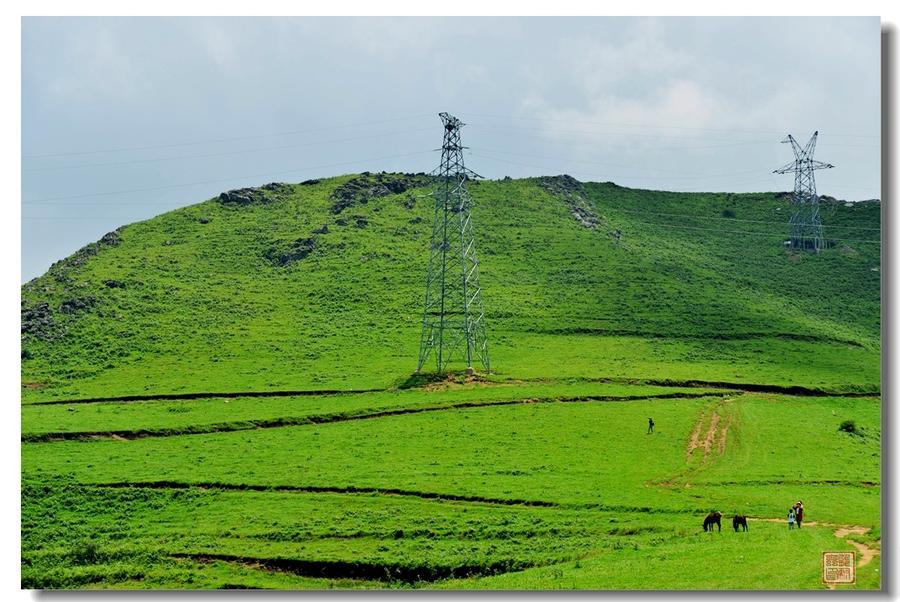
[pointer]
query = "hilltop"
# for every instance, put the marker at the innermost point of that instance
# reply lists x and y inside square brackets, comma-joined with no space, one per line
[319,285]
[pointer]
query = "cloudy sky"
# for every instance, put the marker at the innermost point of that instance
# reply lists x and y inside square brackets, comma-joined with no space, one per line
[123,119]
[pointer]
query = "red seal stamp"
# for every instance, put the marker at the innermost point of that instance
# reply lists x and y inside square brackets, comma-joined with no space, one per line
[838,568]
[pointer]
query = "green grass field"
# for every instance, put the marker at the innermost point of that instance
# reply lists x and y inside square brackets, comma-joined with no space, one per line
[195,415]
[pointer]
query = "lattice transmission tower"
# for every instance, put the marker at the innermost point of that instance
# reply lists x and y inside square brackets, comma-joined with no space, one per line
[806,225]
[453,324]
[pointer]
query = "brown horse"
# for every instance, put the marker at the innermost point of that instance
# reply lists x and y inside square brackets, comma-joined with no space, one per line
[713,518]
[739,521]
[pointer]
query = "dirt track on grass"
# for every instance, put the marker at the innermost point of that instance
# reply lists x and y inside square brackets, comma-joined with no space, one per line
[866,553]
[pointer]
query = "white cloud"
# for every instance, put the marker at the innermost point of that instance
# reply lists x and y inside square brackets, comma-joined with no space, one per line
[646,80]
[601,64]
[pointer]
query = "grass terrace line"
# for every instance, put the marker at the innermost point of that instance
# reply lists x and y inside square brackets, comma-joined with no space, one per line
[735,386]
[330,418]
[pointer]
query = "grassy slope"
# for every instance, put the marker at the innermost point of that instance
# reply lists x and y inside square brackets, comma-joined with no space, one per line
[42,418]
[202,310]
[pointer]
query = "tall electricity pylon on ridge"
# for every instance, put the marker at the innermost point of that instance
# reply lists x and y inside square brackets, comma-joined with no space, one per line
[806,225]
[453,319]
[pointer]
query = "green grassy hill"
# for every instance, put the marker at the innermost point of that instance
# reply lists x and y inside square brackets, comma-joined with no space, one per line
[197,299]
[221,397]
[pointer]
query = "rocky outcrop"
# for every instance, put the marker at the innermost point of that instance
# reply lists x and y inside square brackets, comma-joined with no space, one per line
[37,321]
[295,251]
[62,268]
[572,192]
[78,304]
[241,197]
[368,186]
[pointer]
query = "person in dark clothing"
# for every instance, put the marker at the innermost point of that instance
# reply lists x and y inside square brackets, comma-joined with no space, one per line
[650,426]
[798,513]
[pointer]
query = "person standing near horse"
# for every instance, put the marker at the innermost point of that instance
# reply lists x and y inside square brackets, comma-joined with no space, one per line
[650,426]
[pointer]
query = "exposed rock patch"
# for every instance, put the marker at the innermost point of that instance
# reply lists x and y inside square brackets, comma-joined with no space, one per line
[241,197]
[368,186]
[572,191]
[295,251]
[71,306]
[110,239]
[37,321]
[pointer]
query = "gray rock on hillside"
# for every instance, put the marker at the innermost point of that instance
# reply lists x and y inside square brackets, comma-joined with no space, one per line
[71,306]
[37,320]
[368,186]
[254,196]
[572,191]
[295,251]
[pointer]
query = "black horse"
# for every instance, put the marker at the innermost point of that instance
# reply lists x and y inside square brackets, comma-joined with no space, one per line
[713,518]
[738,522]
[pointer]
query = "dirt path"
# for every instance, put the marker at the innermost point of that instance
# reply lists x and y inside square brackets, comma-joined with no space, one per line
[866,553]
[694,441]
[714,438]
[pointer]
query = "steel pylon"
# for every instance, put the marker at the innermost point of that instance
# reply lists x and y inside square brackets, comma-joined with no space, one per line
[453,325]
[806,224]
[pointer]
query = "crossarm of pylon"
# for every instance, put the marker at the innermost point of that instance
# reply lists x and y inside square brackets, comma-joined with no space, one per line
[820,165]
[788,168]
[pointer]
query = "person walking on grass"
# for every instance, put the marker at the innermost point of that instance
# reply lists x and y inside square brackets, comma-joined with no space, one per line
[791,518]
[650,426]
[798,512]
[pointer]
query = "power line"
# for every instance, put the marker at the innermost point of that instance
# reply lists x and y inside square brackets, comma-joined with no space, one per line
[217,140]
[647,126]
[746,233]
[730,219]
[586,133]
[197,183]
[581,134]
[698,176]
[228,153]
[595,175]
[550,169]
